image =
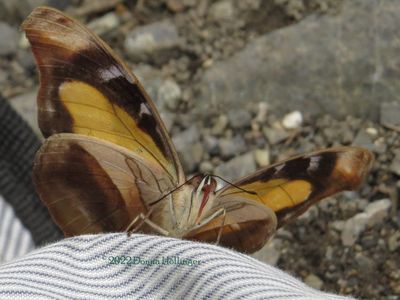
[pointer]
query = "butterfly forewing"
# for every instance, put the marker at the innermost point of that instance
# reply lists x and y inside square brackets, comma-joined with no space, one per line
[86,89]
[291,186]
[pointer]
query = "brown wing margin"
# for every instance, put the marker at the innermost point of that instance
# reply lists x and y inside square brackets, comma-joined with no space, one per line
[290,187]
[92,186]
[74,61]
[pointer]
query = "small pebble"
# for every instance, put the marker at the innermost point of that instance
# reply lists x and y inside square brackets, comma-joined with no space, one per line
[211,144]
[104,24]
[365,264]
[377,211]
[231,147]
[352,229]
[292,120]
[372,131]
[220,125]
[169,94]
[262,157]
[275,135]
[222,10]
[314,281]
[262,112]
[206,167]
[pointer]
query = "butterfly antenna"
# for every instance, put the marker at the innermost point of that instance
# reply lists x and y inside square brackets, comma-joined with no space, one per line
[234,185]
[169,193]
[190,206]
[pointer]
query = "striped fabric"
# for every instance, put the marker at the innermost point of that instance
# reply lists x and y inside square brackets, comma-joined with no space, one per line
[82,268]
[15,239]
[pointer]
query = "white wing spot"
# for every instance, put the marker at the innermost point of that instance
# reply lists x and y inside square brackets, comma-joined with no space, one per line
[279,167]
[144,110]
[109,73]
[314,163]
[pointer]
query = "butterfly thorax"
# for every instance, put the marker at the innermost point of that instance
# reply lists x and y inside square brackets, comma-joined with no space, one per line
[188,207]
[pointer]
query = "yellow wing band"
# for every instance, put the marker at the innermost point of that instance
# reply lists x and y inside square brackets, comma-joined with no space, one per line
[94,115]
[278,194]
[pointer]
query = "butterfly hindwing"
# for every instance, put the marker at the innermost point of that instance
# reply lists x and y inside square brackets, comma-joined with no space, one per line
[261,202]
[246,225]
[92,186]
[290,187]
[86,89]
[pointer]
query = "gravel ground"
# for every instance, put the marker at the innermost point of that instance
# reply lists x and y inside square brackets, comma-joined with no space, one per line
[348,244]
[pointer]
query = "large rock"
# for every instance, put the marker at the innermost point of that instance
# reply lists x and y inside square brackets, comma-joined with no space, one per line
[237,167]
[337,64]
[151,79]
[390,113]
[9,39]
[395,164]
[189,148]
[104,24]
[15,11]
[374,213]
[156,42]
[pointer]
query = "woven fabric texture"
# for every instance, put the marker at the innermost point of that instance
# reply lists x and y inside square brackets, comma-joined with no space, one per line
[113,266]
[15,239]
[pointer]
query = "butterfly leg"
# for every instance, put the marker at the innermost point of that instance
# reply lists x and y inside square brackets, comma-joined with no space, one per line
[145,219]
[210,218]
[141,217]
[217,214]
[221,227]
[156,227]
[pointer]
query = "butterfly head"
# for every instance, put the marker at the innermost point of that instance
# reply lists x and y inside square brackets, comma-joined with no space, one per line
[204,187]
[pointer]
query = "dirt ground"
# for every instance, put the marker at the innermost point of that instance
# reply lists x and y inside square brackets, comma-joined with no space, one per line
[342,245]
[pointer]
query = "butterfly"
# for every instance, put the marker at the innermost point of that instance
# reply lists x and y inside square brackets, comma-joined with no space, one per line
[108,164]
